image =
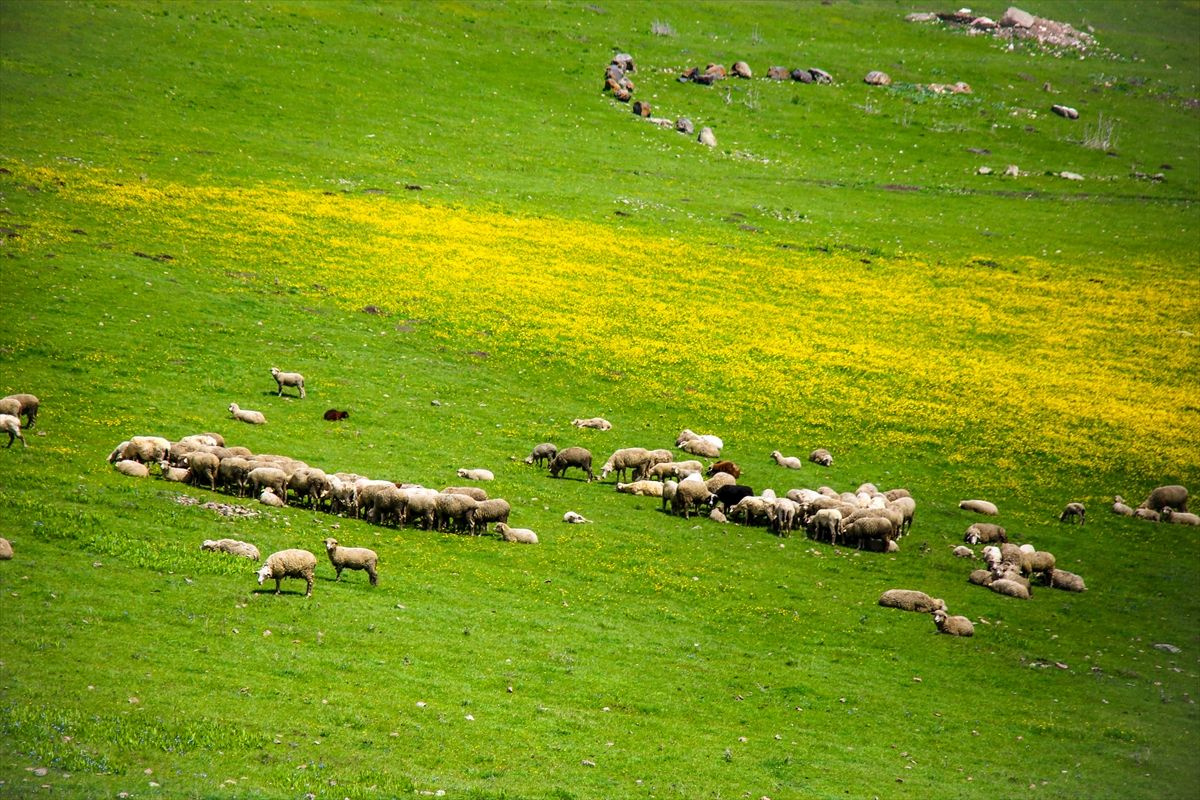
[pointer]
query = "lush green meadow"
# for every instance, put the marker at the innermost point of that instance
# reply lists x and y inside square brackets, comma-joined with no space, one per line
[433,211]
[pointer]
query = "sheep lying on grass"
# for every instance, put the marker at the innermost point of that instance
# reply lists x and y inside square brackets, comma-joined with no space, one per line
[522,535]
[27,406]
[173,474]
[953,625]
[962,551]
[269,498]
[979,507]
[476,474]
[1179,517]
[791,462]
[1069,581]
[12,426]
[597,423]
[985,533]
[245,415]
[642,488]
[911,600]
[289,564]
[1011,588]
[352,558]
[282,379]
[821,456]
[231,546]
[1119,507]
[6,551]
[134,469]
[573,518]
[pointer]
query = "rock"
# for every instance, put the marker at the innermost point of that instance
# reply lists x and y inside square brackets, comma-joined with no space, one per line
[778,73]
[689,74]
[623,95]
[704,78]
[624,61]
[984,171]
[921,16]
[1167,648]
[1012,171]
[707,137]
[1071,176]
[820,75]
[716,70]
[661,122]
[1016,18]
[961,87]
[614,73]
[684,125]
[641,108]
[1065,111]
[802,75]
[742,69]
[877,78]
[983,23]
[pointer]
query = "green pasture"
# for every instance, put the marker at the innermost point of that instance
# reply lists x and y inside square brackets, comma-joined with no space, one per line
[641,655]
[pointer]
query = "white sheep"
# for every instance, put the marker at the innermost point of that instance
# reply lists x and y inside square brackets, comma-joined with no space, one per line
[952,625]
[1179,517]
[827,521]
[598,423]
[821,456]
[979,507]
[1073,512]
[27,405]
[476,474]
[245,415]
[134,469]
[962,551]
[686,435]
[1069,581]
[352,558]
[6,551]
[269,498]
[791,462]
[1120,507]
[705,447]
[642,488]
[11,425]
[289,564]
[231,546]
[173,474]
[522,535]
[573,518]
[911,600]
[283,379]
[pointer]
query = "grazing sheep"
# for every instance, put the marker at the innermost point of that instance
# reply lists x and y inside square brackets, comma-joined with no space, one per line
[1010,588]
[670,488]
[173,474]
[144,449]
[27,406]
[791,462]
[690,494]
[134,469]
[231,546]
[782,515]
[204,468]
[870,533]
[1073,512]
[573,518]
[245,415]
[421,508]
[231,474]
[751,510]
[456,509]
[11,425]
[6,551]
[269,498]
[911,600]
[984,533]
[979,507]
[351,558]
[1178,517]
[469,491]
[825,521]
[1119,507]
[720,479]
[489,511]
[728,467]
[311,486]
[624,459]
[476,474]
[522,535]
[1069,581]
[577,457]
[289,564]
[674,469]
[821,456]
[271,477]
[597,423]
[1174,497]
[642,488]
[962,551]
[906,507]
[543,453]
[283,379]
[10,406]
[333,415]
[953,625]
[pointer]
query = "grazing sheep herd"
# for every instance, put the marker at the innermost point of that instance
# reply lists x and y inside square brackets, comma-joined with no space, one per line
[867,518]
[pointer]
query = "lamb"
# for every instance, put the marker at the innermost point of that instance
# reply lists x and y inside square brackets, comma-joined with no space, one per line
[271,477]
[289,564]
[911,600]
[173,474]
[134,469]
[1073,512]
[642,488]
[488,511]
[231,546]
[204,468]
[1174,497]
[469,491]
[791,462]
[352,558]
[702,447]
[283,379]
[953,625]
[476,474]
[1069,581]
[626,458]
[962,551]
[245,415]
[269,498]
[522,535]
[1146,513]
[724,466]
[821,456]
[577,457]
[27,406]
[1119,507]
[979,507]
[783,515]
[1179,517]
[1010,588]
[597,423]
[6,550]
[716,516]
[11,425]
[541,454]
[574,518]
[985,533]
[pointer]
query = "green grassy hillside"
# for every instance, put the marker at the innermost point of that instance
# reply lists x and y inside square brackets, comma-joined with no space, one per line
[435,213]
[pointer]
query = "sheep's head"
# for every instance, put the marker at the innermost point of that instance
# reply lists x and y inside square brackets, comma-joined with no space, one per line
[274,371]
[939,615]
[331,544]
[233,408]
[939,605]
[263,573]
[208,544]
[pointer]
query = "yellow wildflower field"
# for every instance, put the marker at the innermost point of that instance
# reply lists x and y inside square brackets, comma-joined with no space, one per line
[1009,364]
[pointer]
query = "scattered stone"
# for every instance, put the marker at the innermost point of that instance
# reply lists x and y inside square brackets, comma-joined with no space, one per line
[704,78]
[820,75]
[778,73]
[1071,176]
[716,70]
[979,151]
[984,171]
[921,16]
[802,75]
[641,108]
[1012,171]
[742,70]
[707,137]
[684,125]
[1065,111]
[625,62]
[1167,648]
[877,78]
[1016,18]
[983,23]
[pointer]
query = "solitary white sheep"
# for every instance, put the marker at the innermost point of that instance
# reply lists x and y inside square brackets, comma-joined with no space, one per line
[12,426]
[283,379]
[231,546]
[979,507]
[522,535]
[476,474]
[352,558]
[791,462]
[245,415]
[289,564]
[574,518]
[821,456]
[598,423]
